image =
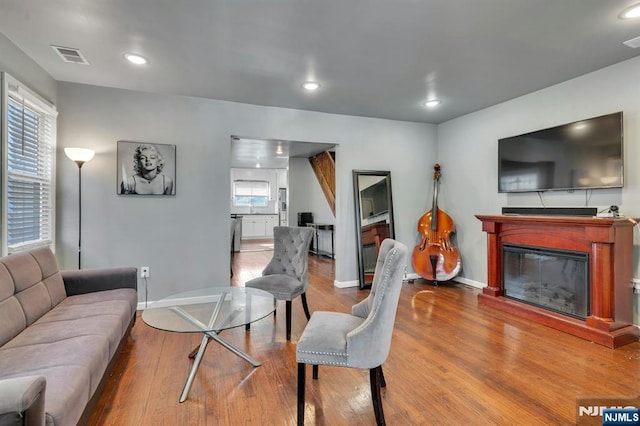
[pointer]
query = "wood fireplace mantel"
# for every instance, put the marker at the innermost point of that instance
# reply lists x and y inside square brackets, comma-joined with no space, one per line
[609,245]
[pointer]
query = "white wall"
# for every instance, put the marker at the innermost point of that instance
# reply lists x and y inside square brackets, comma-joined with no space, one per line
[468,147]
[184,239]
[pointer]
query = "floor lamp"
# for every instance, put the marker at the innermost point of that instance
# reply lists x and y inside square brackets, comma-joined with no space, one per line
[79,156]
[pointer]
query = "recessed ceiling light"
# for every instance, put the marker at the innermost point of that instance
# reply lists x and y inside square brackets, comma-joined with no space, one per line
[257,165]
[311,85]
[432,103]
[135,59]
[631,12]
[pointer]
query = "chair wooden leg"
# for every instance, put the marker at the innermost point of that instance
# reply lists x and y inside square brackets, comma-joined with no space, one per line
[288,303]
[301,374]
[315,371]
[374,377]
[303,296]
[247,327]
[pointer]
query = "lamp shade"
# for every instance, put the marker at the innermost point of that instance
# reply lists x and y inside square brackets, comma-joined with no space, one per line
[79,154]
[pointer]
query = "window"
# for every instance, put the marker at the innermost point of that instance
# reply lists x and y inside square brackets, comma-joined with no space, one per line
[250,193]
[28,145]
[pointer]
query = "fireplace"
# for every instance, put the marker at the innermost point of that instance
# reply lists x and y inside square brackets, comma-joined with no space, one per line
[567,272]
[557,280]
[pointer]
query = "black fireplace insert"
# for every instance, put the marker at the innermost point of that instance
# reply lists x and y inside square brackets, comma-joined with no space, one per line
[557,280]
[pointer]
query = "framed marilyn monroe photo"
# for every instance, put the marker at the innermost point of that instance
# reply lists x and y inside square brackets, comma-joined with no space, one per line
[146,168]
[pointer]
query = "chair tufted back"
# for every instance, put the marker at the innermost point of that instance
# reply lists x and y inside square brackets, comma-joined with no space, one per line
[362,308]
[290,252]
[369,343]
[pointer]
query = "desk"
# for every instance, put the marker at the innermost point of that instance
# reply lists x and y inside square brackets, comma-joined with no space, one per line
[209,311]
[320,227]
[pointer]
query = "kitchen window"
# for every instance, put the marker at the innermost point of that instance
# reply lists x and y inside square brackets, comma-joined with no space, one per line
[250,193]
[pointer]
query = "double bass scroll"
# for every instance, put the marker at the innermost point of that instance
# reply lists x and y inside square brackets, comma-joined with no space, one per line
[436,258]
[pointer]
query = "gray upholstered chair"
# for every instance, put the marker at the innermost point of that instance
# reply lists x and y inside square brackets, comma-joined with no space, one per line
[360,340]
[285,276]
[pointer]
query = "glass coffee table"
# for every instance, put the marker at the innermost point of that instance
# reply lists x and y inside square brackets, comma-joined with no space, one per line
[209,311]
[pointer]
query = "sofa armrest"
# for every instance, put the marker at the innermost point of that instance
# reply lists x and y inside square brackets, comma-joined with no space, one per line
[91,280]
[22,400]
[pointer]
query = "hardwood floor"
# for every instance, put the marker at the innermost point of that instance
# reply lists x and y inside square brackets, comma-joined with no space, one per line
[452,362]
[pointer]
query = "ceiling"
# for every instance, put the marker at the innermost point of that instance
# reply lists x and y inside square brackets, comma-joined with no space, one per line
[271,154]
[373,58]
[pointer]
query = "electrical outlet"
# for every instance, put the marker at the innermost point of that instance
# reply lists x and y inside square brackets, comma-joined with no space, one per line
[144,272]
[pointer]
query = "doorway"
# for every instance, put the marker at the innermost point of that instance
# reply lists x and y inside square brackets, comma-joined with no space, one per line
[292,184]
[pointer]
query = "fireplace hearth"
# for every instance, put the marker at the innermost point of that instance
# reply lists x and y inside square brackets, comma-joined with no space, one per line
[567,272]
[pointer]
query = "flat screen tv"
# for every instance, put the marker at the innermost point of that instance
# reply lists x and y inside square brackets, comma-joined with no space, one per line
[585,154]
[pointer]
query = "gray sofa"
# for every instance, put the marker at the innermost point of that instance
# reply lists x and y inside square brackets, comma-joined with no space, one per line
[60,334]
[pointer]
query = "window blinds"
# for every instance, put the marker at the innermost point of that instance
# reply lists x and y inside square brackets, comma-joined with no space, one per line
[250,192]
[247,188]
[29,174]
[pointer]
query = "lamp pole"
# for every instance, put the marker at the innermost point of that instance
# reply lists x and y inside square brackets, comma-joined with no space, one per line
[80,164]
[79,156]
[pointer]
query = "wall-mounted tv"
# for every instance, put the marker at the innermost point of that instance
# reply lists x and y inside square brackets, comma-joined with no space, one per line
[585,154]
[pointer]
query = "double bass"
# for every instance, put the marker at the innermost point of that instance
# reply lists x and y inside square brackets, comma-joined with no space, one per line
[436,258]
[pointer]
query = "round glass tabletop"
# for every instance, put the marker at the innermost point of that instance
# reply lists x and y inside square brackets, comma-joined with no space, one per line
[209,309]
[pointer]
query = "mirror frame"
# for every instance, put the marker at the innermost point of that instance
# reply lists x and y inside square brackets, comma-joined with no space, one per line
[356,198]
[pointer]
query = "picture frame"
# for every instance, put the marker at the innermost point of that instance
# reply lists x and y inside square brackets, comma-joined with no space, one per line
[145,168]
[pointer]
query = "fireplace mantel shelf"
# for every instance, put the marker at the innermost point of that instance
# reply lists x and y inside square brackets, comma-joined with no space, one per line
[609,245]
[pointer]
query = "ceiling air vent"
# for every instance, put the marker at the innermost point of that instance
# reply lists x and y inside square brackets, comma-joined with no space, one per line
[71,55]
[634,42]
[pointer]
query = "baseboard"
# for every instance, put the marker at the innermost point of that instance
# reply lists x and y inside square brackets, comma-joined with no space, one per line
[346,284]
[551,211]
[461,280]
[471,283]
[411,276]
[181,301]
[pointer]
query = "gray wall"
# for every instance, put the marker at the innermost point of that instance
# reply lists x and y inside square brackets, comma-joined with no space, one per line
[184,239]
[468,147]
[24,69]
[306,196]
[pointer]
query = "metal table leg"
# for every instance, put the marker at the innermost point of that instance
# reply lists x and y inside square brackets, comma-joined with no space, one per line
[209,334]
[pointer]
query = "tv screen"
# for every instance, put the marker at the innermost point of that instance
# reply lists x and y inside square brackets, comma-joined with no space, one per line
[374,199]
[584,154]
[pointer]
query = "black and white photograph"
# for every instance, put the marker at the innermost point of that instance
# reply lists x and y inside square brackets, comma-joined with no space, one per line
[146,168]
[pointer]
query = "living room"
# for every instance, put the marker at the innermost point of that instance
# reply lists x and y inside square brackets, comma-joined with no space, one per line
[183,239]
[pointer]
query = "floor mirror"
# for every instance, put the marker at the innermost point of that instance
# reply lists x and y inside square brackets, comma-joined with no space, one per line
[374,218]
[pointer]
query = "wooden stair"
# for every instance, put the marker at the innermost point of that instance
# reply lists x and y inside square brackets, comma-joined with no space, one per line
[324,167]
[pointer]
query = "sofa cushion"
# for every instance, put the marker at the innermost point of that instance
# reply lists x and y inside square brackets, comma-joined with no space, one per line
[106,314]
[89,352]
[33,281]
[12,319]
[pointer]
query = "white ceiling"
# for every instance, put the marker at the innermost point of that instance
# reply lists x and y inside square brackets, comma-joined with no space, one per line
[374,58]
